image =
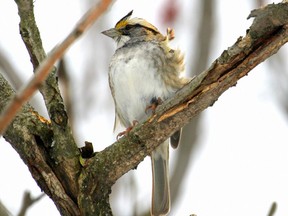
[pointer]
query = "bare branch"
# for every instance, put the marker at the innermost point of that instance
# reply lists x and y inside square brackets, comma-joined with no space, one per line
[9,71]
[28,201]
[31,136]
[56,169]
[46,66]
[272,209]
[190,131]
[3,210]
[264,38]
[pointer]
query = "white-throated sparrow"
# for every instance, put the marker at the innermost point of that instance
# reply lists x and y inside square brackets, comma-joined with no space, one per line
[143,69]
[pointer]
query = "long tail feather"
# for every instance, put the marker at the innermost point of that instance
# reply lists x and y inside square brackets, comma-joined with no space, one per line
[160,189]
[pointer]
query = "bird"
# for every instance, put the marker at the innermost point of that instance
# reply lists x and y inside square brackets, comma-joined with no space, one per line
[143,72]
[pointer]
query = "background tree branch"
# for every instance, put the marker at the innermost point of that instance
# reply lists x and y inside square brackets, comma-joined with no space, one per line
[43,70]
[64,163]
[28,201]
[65,150]
[190,133]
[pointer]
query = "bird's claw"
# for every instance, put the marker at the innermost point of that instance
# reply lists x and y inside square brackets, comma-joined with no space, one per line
[123,133]
[155,102]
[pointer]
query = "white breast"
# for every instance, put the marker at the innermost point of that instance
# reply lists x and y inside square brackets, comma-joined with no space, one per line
[135,76]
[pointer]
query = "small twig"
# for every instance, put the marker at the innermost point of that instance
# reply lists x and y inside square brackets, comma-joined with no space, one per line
[9,71]
[28,201]
[45,67]
[3,210]
[272,209]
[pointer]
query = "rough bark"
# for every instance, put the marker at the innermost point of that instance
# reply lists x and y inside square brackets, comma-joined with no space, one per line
[32,136]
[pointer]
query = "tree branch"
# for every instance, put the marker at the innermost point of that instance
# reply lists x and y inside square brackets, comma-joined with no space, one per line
[65,150]
[3,210]
[57,167]
[32,136]
[264,38]
[190,133]
[9,71]
[272,209]
[45,67]
[28,201]
[64,142]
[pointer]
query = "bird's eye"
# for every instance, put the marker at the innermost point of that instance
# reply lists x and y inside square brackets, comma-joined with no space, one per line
[128,27]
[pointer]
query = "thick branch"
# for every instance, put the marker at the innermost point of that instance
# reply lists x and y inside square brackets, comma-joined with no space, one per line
[258,45]
[64,151]
[46,66]
[30,135]
[55,168]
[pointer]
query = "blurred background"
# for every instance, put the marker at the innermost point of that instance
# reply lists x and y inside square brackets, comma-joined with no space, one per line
[233,159]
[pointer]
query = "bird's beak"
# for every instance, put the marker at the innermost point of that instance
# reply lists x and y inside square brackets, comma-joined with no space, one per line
[112,33]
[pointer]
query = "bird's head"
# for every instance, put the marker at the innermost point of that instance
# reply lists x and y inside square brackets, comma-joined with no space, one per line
[129,30]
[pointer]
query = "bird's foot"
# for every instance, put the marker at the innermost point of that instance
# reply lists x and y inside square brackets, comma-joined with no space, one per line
[154,103]
[123,133]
